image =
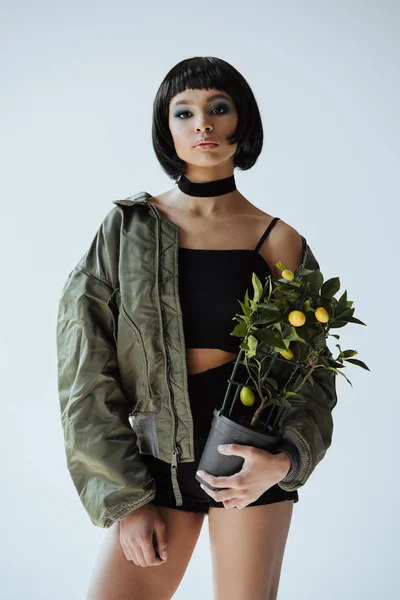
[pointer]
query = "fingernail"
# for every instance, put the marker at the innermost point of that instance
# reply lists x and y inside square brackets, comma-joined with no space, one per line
[164,555]
[199,473]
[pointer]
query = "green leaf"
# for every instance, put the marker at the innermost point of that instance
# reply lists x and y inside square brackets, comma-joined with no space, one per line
[348,353]
[326,362]
[258,288]
[348,312]
[246,298]
[280,265]
[330,287]
[272,382]
[354,320]
[286,285]
[292,297]
[340,373]
[292,335]
[238,317]
[240,330]
[341,305]
[271,337]
[302,271]
[252,343]
[305,332]
[319,341]
[336,324]
[253,305]
[269,305]
[316,281]
[336,364]
[357,362]
[265,318]
[245,308]
[324,303]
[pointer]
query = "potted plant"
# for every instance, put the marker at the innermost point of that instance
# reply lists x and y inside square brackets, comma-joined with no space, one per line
[284,329]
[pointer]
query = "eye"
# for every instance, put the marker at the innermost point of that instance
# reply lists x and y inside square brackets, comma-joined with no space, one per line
[223,107]
[219,107]
[184,112]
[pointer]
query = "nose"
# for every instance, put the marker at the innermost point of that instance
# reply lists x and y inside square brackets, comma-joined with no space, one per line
[202,125]
[203,122]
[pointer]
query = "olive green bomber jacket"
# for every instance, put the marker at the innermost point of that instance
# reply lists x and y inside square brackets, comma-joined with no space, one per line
[122,376]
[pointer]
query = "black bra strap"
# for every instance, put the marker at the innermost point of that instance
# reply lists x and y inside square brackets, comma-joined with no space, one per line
[266,232]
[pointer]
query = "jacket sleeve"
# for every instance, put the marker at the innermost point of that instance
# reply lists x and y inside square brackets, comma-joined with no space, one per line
[100,445]
[307,429]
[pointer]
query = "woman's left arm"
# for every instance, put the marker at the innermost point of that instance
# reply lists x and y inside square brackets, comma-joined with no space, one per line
[307,429]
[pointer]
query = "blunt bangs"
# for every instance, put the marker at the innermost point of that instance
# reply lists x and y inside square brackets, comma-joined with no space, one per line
[205,73]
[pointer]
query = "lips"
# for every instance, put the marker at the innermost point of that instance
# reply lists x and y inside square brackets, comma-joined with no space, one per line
[205,142]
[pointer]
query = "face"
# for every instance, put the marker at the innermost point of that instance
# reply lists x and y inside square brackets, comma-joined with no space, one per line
[194,114]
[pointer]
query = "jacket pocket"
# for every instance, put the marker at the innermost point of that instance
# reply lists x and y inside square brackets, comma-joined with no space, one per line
[144,425]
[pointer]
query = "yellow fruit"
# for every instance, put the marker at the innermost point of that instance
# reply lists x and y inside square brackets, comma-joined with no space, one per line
[321,315]
[287,353]
[297,318]
[247,396]
[287,274]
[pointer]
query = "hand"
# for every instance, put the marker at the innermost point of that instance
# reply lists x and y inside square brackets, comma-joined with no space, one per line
[260,471]
[141,533]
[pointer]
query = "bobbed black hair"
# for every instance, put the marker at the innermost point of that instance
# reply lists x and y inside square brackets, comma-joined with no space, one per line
[204,73]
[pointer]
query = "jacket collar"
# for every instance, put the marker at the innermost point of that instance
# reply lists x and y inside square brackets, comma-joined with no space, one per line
[139,198]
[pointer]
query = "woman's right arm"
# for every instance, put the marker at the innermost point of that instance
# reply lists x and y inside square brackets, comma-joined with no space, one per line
[100,445]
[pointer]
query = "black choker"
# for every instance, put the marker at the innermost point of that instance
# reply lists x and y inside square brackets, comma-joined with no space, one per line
[208,188]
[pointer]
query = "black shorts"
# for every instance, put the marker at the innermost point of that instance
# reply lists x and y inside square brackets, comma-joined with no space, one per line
[206,392]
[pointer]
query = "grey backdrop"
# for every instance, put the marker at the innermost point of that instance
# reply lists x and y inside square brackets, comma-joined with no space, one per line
[77,86]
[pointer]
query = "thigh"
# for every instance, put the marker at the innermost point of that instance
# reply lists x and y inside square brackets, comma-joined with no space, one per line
[247,548]
[116,578]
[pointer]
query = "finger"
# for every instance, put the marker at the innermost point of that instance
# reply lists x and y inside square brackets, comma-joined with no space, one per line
[207,490]
[132,554]
[160,540]
[221,496]
[232,503]
[221,481]
[212,490]
[140,556]
[149,554]
[125,551]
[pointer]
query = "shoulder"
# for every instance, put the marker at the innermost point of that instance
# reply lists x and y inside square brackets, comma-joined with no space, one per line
[285,245]
[102,255]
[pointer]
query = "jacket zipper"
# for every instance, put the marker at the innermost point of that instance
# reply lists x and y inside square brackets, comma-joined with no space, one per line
[176,450]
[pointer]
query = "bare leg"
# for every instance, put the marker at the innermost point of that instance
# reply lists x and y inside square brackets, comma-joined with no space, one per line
[116,578]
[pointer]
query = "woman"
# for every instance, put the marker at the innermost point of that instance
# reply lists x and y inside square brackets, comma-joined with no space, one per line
[144,357]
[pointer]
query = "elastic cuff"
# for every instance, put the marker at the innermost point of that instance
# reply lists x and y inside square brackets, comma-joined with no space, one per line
[291,450]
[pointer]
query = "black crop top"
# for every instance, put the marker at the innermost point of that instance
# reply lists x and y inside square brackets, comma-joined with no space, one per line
[210,284]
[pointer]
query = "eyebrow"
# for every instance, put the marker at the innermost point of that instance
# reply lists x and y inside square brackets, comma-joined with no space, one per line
[209,99]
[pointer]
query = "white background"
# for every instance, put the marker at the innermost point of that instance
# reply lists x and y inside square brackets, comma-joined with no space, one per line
[77,85]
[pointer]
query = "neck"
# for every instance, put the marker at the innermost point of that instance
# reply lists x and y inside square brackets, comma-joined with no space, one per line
[207,196]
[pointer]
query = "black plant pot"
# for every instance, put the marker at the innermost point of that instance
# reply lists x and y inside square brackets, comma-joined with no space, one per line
[225,431]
